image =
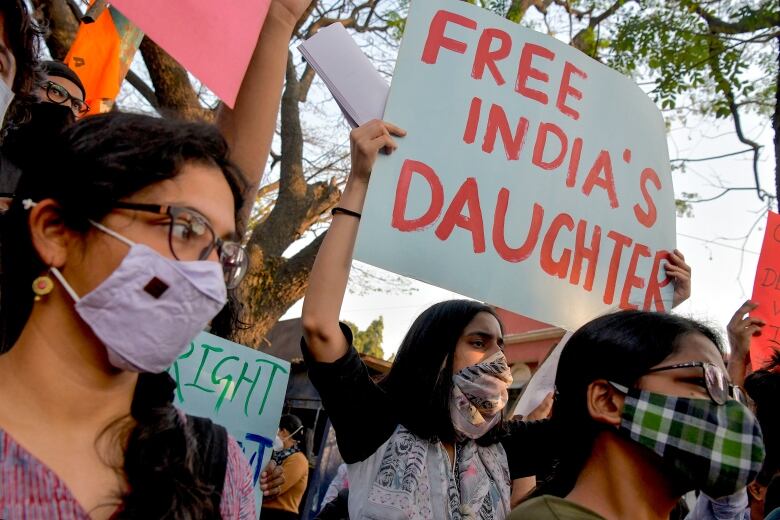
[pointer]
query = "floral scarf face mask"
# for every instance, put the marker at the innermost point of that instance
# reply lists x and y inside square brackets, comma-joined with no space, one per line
[479,393]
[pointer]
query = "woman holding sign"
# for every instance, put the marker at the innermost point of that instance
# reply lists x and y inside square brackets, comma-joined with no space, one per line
[423,442]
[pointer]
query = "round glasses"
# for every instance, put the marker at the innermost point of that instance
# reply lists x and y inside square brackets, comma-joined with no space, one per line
[716,381]
[58,94]
[191,237]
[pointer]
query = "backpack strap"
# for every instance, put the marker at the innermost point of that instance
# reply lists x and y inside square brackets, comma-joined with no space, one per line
[212,440]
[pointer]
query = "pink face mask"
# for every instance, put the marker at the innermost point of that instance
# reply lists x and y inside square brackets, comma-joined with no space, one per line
[149,309]
[479,393]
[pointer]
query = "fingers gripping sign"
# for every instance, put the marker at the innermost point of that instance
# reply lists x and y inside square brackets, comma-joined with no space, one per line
[680,273]
[272,479]
[367,141]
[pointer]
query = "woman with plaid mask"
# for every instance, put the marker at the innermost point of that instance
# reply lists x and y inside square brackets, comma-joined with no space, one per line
[645,413]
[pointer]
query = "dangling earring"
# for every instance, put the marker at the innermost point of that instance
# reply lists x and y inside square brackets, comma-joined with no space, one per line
[42,286]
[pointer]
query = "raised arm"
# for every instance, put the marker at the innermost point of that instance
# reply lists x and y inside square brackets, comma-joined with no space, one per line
[741,329]
[329,276]
[249,127]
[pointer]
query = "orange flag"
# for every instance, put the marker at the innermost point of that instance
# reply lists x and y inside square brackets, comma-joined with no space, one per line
[101,55]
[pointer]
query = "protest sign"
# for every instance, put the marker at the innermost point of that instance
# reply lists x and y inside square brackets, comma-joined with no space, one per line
[531,177]
[238,387]
[766,293]
[212,40]
[543,380]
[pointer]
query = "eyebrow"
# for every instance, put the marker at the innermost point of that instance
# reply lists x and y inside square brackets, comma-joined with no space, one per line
[485,335]
[232,236]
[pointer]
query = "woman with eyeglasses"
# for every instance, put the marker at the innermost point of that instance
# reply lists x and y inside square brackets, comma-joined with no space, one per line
[644,412]
[118,249]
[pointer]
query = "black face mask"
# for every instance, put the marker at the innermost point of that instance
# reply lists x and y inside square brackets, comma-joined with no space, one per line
[44,123]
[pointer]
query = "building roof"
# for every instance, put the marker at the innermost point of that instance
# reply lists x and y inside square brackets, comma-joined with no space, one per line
[527,340]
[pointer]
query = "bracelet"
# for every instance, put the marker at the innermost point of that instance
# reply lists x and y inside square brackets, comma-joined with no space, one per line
[345,211]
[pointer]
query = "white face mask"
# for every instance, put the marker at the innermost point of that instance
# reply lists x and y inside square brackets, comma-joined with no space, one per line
[279,442]
[6,96]
[149,309]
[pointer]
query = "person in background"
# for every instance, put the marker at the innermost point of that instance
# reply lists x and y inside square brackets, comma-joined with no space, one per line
[340,481]
[763,389]
[18,55]
[295,467]
[631,388]
[62,86]
[772,499]
[18,65]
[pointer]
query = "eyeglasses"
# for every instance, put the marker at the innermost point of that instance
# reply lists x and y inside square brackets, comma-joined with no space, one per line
[191,237]
[715,380]
[60,95]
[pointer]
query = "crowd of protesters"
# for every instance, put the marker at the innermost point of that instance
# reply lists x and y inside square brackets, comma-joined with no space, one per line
[117,219]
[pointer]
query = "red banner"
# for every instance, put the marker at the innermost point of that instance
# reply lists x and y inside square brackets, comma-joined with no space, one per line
[766,293]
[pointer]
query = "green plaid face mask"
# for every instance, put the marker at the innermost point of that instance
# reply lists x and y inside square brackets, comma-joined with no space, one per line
[715,448]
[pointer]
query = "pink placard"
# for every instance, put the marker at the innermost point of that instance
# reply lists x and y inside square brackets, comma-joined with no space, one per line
[214,40]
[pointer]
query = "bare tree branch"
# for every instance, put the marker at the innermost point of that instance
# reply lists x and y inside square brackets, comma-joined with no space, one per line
[701,159]
[722,193]
[145,90]
[725,87]
[747,24]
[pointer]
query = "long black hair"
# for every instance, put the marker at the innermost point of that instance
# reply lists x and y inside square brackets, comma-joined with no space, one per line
[24,38]
[93,164]
[763,387]
[619,347]
[420,380]
[295,429]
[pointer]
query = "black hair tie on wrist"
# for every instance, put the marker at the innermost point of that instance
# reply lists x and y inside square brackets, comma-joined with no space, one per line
[345,211]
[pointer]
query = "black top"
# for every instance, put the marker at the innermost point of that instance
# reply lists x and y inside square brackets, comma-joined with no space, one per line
[364,416]
[9,176]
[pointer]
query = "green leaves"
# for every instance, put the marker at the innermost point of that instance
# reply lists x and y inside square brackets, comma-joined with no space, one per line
[707,52]
[368,341]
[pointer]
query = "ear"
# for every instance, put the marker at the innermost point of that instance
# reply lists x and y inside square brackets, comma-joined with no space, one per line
[756,491]
[605,403]
[50,237]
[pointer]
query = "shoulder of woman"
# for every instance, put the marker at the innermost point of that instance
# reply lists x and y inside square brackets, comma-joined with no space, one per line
[236,461]
[297,458]
[548,507]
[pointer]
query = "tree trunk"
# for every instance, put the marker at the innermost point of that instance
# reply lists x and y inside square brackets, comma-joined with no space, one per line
[172,86]
[268,291]
[61,22]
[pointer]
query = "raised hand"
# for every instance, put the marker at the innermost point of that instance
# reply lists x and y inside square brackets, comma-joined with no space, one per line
[366,141]
[680,273]
[740,329]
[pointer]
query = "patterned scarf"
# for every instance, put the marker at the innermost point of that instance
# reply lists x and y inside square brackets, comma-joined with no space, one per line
[280,456]
[479,393]
[416,482]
